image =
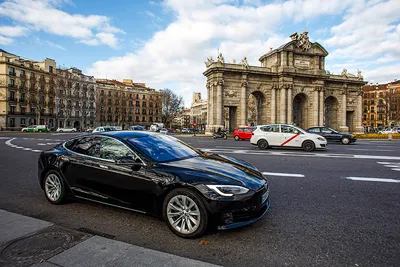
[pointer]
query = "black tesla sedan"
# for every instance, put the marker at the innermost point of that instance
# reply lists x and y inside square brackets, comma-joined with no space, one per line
[156,174]
[333,135]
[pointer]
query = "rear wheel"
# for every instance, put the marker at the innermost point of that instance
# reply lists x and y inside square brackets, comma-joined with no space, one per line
[185,213]
[54,188]
[236,138]
[262,144]
[308,145]
[345,141]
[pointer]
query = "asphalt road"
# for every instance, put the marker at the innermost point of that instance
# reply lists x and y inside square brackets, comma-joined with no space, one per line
[326,210]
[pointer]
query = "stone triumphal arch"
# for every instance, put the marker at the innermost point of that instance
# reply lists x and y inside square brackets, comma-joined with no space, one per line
[290,86]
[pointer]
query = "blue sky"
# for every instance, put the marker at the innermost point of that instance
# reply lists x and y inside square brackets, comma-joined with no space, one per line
[165,42]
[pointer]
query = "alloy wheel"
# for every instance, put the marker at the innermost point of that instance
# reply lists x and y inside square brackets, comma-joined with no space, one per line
[345,141]
[53,187]
[183,214]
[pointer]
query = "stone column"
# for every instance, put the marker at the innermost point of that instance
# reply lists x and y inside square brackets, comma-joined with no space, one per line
[243,100]
[343,127]
[220,108]
[358,127]
[315,107]
[273,103]
[290,106]
[321,106]
[210,107]
[282,107]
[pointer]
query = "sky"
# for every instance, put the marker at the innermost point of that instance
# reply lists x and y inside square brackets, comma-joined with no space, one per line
[164,43]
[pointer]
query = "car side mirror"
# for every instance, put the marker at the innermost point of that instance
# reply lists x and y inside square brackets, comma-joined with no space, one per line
[295,131]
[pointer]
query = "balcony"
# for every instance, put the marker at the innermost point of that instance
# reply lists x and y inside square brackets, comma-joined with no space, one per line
[12,99]
[12,86]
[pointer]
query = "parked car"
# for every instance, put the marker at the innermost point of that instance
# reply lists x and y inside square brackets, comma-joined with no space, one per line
[387,130]
[164,131]
[117,128]
[104,129]
[185,130]
[137,128]
[66,130]
[35,128]
[332,135]
[283,135]
[156,174]
[243,133]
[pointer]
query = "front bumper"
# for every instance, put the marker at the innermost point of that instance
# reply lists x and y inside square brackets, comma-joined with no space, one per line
[321,145]
[241,212]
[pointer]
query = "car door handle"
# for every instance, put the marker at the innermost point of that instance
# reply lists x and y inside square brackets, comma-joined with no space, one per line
[103,166]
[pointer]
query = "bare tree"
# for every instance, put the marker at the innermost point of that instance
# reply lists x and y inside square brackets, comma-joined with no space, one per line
[171,104]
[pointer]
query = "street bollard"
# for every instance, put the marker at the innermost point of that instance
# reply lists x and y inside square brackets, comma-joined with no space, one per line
[390,136]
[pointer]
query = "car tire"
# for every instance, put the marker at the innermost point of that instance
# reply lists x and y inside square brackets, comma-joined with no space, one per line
[196,216]
[24,131]
[61,131]
[54,188]
[262,144]
[345,141]
[214,137]
[308,146]
[236,138]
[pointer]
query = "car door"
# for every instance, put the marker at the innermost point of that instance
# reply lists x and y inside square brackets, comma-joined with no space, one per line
[124,184]
[290,136]
[81,164]
[271,133]
[247,133]
[329,134]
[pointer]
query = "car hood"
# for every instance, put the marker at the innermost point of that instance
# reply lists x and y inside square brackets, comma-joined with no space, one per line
[216,169]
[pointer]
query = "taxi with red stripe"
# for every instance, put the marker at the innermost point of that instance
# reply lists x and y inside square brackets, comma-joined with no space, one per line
[285,135]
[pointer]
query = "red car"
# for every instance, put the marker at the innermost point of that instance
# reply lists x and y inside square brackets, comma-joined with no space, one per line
[242,133]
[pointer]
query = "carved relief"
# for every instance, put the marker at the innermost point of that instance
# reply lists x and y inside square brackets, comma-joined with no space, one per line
[302,39]
[209,61]
[244,84]
[231,93]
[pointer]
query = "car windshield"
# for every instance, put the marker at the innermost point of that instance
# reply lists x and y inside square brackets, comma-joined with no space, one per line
[163,148]
[107,129]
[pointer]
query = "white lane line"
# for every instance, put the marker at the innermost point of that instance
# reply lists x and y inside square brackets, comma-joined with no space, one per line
[36,150]
[370,179]
[283,174]
[379,162]
[362,149]
[41,144]
[392,166]
[396,169]
[27,148]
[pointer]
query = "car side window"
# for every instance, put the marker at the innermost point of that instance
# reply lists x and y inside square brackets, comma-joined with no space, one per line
[326,130]
[270,128]
[112,149]
[247,130]
[89,146]
[314,130]
[240,130]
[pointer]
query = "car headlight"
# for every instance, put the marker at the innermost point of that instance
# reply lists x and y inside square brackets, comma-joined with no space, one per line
[321,139]
[228,190]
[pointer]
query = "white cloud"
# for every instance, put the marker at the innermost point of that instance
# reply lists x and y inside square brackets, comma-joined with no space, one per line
[12,31]
[176,53]
[5,40]
[55,45]
[43,15]
[383,74]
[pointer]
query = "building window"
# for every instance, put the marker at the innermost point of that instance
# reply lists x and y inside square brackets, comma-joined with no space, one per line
[22,121]
[12,122]
[12,71]
[12,96]
[137,118]
[51,69]
[12,82]
[144,97]
[23,110]
[22,73]
[51,111]
[12,110]
[143,119]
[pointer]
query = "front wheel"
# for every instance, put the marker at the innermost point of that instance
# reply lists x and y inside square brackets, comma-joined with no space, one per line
[262,144]
[236,138]
[308,146]
[54,188]
[345,141]
[185,213]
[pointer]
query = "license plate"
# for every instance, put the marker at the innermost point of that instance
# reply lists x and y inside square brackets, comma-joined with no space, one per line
[264,196]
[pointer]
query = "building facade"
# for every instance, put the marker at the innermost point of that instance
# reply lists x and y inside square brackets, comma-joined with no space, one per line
[126,103]
[381,106]
[198,112]
[75,99]
[27,92]
[291,86]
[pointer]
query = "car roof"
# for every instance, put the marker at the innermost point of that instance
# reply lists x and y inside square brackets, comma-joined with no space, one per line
[128,134]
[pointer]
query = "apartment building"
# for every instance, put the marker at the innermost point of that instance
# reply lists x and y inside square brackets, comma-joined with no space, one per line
[27,91]
[126,103]
[75,99]
[381,106]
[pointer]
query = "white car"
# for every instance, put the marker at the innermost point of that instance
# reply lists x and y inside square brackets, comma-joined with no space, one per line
[164,131]
[284,135]
[66,130]
[386,131]
[104,129]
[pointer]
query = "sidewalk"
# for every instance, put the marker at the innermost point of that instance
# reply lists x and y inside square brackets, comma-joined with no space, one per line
[26,241]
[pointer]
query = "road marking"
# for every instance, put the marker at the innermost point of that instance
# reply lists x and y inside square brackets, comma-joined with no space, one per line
[283,174]
[362,149]
[392,166]
[396,169]
[370,179]
[36,150]
[27,148]
[237,147]
[388,162]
